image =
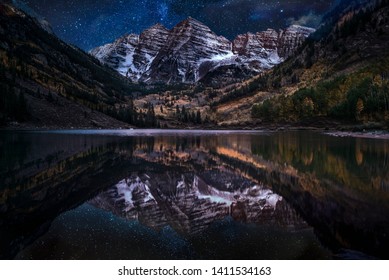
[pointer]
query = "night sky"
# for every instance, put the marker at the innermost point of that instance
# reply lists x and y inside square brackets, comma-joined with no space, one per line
[90,23]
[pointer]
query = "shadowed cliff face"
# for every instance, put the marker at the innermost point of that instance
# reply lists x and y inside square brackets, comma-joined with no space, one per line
[190,181]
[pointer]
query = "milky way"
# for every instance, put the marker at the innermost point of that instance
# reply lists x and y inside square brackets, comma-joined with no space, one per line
[89,23]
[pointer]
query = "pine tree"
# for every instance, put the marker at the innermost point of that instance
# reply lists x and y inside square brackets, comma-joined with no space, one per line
[198,117]
[50,97]
[21,110]
[359,108]
[193,117]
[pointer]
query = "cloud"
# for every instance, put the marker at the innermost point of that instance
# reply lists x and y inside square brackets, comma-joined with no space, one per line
[311,20]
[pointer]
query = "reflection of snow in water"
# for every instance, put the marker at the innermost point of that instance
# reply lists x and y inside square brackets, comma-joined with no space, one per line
[252,195]
[127,187]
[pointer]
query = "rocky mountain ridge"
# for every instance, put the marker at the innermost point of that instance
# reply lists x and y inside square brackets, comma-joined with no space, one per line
[190,51]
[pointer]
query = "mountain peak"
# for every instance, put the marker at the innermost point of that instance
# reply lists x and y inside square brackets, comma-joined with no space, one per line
[192,22]
[157,26]
[190,19]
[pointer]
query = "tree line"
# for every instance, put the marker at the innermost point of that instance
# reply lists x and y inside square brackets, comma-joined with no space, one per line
[366,100]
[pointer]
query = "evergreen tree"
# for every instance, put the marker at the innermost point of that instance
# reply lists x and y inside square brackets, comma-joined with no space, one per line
[177,111]
[21,109]
[50,97]
[193,117]
[151,120]
[198,117]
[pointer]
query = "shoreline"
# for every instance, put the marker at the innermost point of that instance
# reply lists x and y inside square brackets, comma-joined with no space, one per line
[371,130]
[379,134]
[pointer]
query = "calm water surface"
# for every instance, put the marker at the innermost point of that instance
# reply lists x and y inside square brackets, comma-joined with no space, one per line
[149,194]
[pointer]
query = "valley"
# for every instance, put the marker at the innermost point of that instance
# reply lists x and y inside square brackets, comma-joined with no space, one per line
[335,77]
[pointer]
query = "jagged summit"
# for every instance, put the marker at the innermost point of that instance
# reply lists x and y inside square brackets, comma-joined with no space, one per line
[191,50]
[192,22]
[157,26]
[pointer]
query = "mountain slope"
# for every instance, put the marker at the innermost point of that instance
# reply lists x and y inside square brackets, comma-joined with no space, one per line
[341,75]
[45,82]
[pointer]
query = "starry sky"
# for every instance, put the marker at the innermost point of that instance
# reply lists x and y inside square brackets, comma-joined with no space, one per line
[90,23]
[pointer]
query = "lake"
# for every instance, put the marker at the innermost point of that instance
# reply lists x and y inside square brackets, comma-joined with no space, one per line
[171,194]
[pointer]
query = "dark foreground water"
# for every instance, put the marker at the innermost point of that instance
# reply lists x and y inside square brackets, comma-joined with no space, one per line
[144,194]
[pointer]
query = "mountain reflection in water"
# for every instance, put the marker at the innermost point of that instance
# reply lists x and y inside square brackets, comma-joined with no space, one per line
[184,195]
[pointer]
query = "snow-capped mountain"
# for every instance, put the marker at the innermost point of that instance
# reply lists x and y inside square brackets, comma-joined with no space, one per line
[132,55]
[193,204]
[119,54]
[190,44]
[265,49]
[190,51]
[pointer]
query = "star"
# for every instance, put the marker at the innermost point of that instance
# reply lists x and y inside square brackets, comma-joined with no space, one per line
[88,23]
